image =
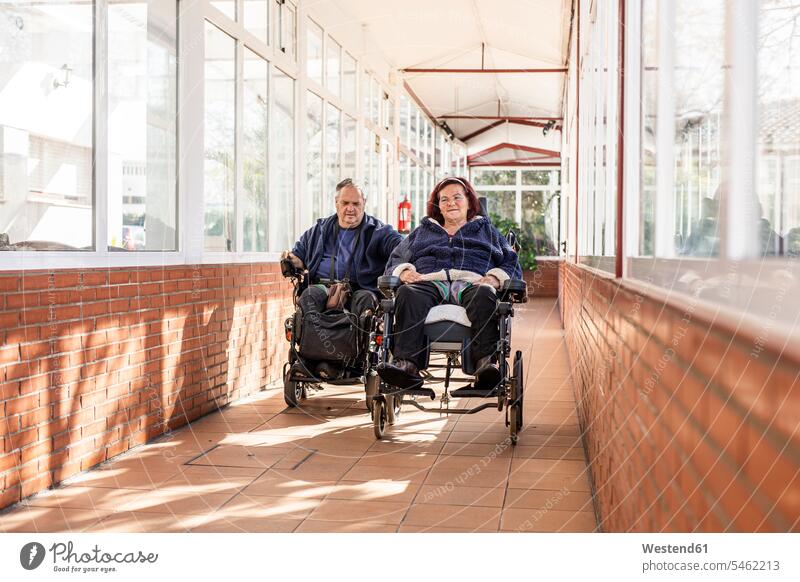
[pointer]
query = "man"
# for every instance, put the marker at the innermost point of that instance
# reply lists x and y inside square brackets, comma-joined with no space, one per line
[349,243]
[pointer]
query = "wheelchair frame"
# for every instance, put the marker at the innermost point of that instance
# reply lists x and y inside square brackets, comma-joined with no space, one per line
[297,388]
[387,404]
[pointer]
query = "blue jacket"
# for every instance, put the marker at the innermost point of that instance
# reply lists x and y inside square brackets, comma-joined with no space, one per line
[477,247]
[378,240]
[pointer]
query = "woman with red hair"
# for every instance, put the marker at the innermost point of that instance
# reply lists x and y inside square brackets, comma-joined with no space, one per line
[454,256]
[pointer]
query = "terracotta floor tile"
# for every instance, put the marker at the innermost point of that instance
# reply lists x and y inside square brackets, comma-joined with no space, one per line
[471,518]
[201,475]
[49,519]
[549,466]
[470,463]
[432,529]
[370,472]
[262,507]
[232,524]
[81,497]
[376,490]
[354,511]
[186,501]
[418,460]
[525,480]
[460,495]
[543,499]
[122,478]
[533,520]
[473,478]
[547,452]
[136,522]
[239,456]
[274,484]
[314,526]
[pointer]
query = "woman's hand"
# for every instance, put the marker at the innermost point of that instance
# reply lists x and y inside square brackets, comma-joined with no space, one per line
[410,276]
[489,280]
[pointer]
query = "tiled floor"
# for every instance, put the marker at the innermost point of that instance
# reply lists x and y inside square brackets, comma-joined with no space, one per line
[260,467]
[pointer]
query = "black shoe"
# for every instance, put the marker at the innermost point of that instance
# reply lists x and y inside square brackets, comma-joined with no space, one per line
[487,375]
[400,374]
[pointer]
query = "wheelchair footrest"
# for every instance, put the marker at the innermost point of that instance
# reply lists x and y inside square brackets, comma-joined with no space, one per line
[417,391]
[469,391]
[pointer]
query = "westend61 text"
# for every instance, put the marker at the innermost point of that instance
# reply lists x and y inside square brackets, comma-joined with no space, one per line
[670,549]
[65,553]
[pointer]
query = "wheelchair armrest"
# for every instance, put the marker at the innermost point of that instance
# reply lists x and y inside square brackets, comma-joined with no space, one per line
[388,284]
[288,270]
[514,290]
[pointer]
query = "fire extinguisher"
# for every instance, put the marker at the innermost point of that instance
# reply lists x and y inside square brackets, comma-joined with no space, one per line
[404,217]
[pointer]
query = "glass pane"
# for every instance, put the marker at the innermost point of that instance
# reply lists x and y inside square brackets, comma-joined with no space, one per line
[349,79]
[314,52]
[46,95]
[499,204]
[365,93]
[535,177]
[314,153]
[412,129]
[256,15]
[282,160]
[375,101]
[404,107]
[333,119]
[494,177]
[349,147]
[286,27]
[333,55]
[227,7]
[254,152]
[649,113]
[778,130]
[220,127]
[142,93]
[699,87]
[540,220]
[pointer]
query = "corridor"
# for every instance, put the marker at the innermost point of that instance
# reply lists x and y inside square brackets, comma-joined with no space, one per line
[257,466]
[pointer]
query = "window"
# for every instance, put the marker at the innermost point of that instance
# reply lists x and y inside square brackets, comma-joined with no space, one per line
[142,98]
[333,164]
[530,198]
[333,52]
[227,7]
[598,155]
[349,79]
[286,27]
[255,133]
[282,162]
[314,154]
[718,213]
[46,178]
[349,135]
[219,139]
[256,18]
[375,101]
[404,113]
[314,66]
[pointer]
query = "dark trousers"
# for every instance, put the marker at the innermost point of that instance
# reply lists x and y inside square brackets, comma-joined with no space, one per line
[414,301]
[314,297]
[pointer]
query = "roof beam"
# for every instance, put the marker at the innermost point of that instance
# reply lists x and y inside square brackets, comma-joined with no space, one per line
[483,130]
[515,147]
[500,118]
[488,71]
[515,162]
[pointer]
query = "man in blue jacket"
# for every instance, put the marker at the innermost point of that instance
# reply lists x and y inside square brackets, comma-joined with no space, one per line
[349,244]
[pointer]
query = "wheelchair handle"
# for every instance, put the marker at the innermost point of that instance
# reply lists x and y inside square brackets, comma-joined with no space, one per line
[388,284]
[515,290]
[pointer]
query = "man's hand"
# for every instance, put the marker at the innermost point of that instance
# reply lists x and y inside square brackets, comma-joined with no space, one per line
[294,259]
[489,280]
[410,276]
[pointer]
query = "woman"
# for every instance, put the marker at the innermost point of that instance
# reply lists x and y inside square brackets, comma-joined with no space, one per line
[455,256]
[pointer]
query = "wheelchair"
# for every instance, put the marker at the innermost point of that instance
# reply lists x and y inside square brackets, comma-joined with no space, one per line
[447,334]
[358,368]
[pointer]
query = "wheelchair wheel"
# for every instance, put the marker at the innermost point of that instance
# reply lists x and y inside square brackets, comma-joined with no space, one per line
[371,387]
[379,417]
[517,395]
[293,391]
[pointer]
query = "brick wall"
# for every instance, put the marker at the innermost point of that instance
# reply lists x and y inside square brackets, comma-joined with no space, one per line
[96,361]
[689,425]
[543,281]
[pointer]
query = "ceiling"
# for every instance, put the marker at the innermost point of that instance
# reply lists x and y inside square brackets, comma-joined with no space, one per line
[474,34]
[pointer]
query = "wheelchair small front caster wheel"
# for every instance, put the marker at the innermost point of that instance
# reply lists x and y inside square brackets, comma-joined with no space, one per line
[293,392]
[379,417]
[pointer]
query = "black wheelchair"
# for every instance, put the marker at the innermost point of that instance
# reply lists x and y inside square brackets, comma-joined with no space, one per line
[447,334]
[352,357]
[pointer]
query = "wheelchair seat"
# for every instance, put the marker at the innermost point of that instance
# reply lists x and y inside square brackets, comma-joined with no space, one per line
[447,326]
